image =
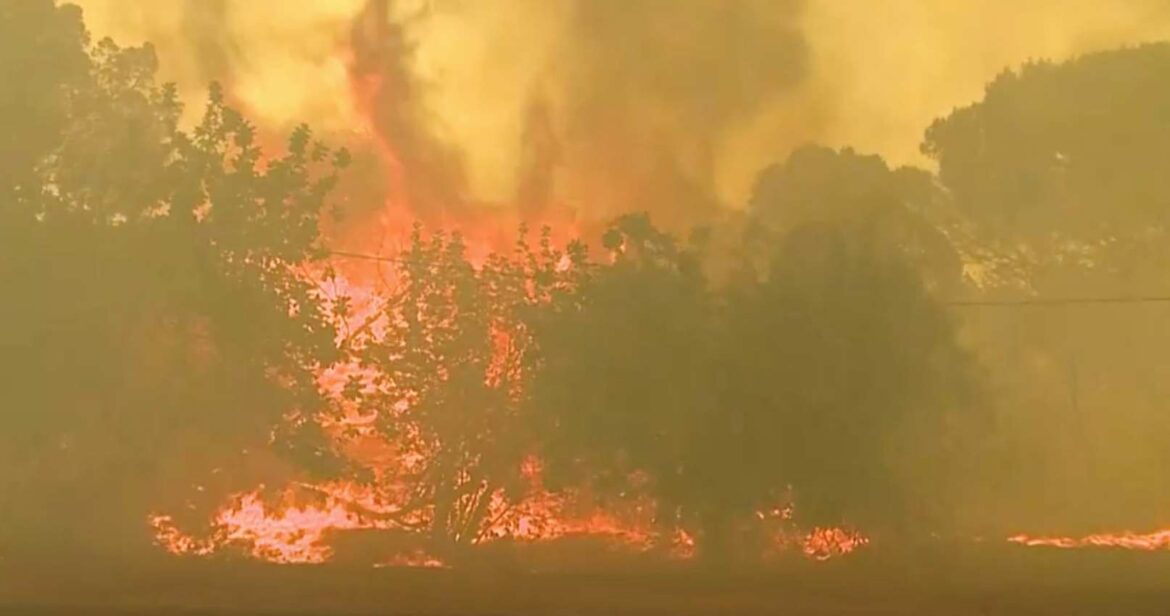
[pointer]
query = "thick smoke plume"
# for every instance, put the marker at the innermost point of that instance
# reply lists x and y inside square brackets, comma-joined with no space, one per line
[600,106]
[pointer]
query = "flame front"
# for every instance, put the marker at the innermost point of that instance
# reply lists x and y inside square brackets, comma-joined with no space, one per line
[299,534]
[1145,542]
[419,182]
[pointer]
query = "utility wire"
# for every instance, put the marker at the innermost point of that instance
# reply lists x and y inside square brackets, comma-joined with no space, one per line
[973,303]
[363,257]
[1058,301]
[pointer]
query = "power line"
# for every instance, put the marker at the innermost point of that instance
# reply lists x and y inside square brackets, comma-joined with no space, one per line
[1058,301]
[362,255]
[973,303]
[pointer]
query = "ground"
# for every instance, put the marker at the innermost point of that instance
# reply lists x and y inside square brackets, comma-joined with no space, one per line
[1000,581]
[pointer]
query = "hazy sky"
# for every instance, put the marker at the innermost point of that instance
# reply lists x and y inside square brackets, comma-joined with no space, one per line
[688,98]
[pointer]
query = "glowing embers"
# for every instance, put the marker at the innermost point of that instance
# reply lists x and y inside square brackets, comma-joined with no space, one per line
[820,543]
[285,533]
[1147,542]
[168,536]
[395,514]
[825,543]
[289,532]
[293,531]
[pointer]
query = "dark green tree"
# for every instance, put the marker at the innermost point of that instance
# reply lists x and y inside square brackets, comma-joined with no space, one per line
[816,377]
[1060,167]
[901,210]
[156,321]
[851,381]
[1076,148]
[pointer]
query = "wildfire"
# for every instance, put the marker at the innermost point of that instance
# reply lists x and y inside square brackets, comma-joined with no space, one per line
[295,529]
[548,516]
[825,543]
[287,534]
[168,536]
[1147,542]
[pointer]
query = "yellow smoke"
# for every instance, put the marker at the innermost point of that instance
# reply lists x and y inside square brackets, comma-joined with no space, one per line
[868,74]
[283,61]
[895,65]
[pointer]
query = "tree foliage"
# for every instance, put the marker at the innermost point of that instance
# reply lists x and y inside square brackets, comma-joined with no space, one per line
[155,317]
[899,211]
[1076,148]
[1060,168]
[450,353]
[803,380]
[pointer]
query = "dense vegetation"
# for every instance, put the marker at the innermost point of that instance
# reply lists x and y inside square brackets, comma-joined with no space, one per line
[161,318]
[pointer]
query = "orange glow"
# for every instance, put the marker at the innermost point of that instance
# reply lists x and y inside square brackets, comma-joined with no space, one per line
[285,534]
[1147,542]
[295,536]
[413,559]
[170,538]
[418,189]
[298,530]
[825,543]
[299,534]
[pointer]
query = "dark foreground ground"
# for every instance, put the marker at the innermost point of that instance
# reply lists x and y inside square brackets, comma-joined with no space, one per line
[996,581]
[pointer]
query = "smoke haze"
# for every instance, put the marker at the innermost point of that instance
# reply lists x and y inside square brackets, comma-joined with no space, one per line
[683,101]
[955,329]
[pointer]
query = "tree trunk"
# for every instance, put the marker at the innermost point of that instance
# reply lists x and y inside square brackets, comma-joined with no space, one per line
[442,537]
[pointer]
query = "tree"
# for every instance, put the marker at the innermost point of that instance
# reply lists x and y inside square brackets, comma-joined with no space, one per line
[448,358]
[1076,148]
[803,377]
[156,322]
[850,371]
[1060,168]
[620,386]
[900,209]
[862,251]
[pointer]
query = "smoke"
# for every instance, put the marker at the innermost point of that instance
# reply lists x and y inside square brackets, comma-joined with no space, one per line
[891,67]
[423,172]
[283,62]
[650,93]
[604,106]
[610,107]
[204,23]
[590,108]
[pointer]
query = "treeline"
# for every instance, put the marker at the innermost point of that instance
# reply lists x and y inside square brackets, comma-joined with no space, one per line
[816,373]
[159,322]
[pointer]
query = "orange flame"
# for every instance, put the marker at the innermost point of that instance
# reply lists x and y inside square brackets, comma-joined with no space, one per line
[1147,542]
[292,532]
[825,543]
[287,534]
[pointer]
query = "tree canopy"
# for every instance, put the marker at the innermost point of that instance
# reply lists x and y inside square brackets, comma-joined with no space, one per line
[155,322]
[1059,169]
[1075,147]
[806,382]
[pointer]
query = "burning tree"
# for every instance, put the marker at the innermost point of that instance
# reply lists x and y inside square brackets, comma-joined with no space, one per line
[443,365]
[165,316]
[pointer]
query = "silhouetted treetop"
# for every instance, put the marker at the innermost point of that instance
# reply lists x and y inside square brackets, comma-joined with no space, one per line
[899,211]
[1077,147]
